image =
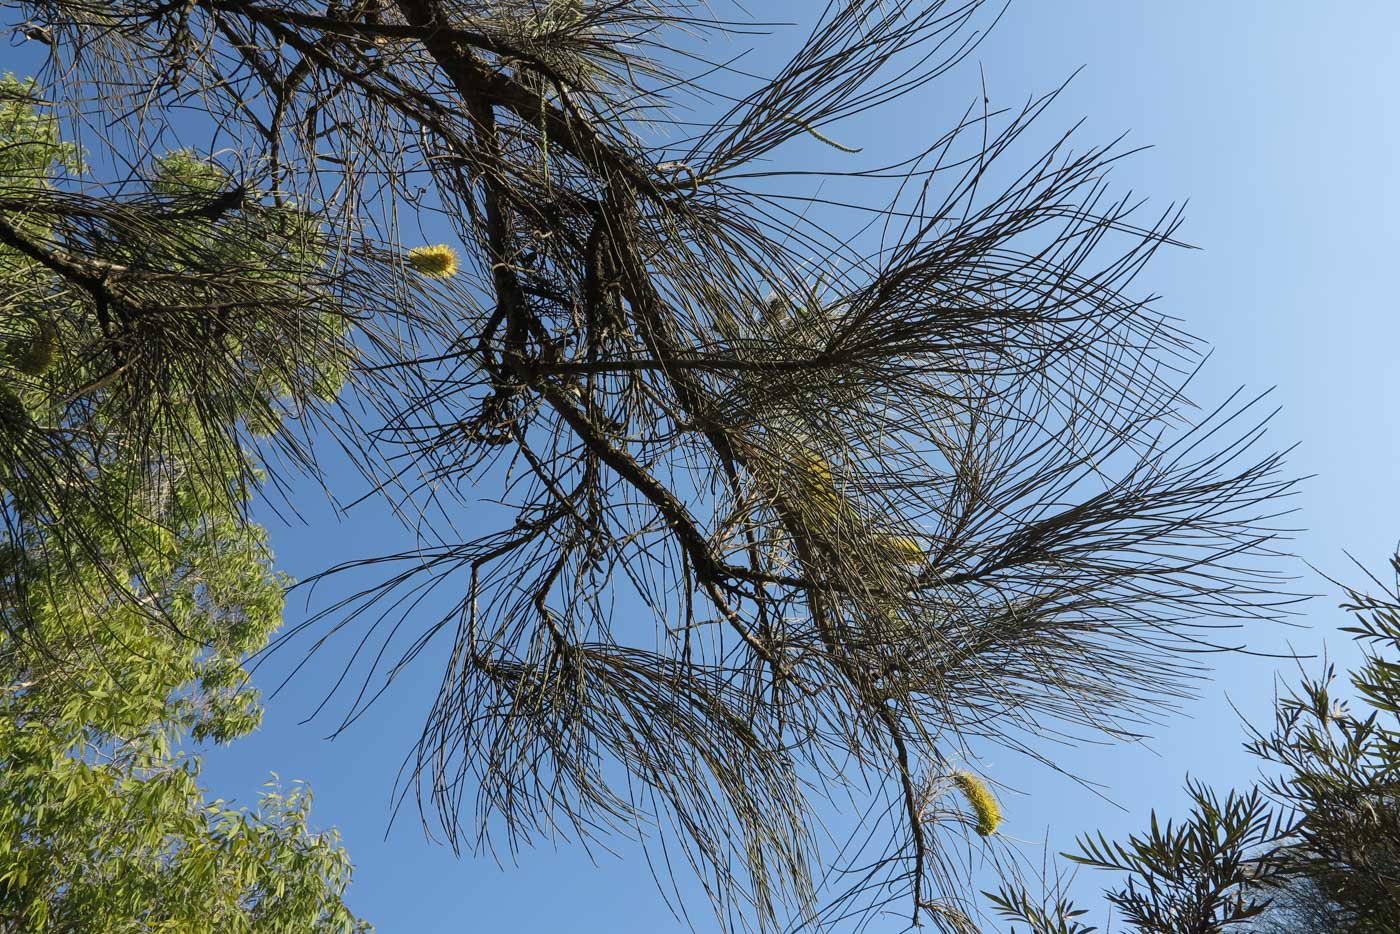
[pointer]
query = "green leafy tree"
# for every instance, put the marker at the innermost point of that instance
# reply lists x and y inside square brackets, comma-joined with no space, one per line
[103,823]
[1336,764]
[132,589]
[166,331]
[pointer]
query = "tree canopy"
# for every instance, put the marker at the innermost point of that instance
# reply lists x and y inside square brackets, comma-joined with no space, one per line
[132,589]
[783,512]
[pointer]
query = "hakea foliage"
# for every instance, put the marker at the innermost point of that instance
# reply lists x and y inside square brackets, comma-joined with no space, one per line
[165,331]
[718,430]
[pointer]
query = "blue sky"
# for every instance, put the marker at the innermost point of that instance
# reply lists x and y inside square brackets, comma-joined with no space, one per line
[1277,121]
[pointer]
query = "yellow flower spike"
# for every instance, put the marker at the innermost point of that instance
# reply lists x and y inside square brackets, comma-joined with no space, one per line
[820,488]
[901,548]
[438,261]
[980,799]
[814,465]
[34,357]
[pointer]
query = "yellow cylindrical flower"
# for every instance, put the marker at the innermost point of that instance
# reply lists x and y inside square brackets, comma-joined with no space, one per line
[438,261]
[35,356]
[901,548]
[980,799]
[818,486]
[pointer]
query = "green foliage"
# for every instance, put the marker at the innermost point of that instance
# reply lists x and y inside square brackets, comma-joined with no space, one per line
[1314,848]
[1339,772]
[102,820]
[156,337]
[132,589]
[1200,875]
[171,325]
[33,148]
[1057,916]
[98,847]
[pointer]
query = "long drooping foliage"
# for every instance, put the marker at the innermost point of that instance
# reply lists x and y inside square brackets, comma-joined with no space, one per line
[784,512]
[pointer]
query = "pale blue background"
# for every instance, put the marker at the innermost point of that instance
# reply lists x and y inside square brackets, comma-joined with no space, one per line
[1278,121]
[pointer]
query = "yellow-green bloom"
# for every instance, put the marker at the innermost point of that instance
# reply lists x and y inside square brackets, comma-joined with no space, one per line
[980,799]
[35,356]
[901,549]
[438,261]
[14,417]
[817,484]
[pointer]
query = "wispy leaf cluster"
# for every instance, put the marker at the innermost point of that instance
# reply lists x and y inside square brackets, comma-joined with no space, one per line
[781,513]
